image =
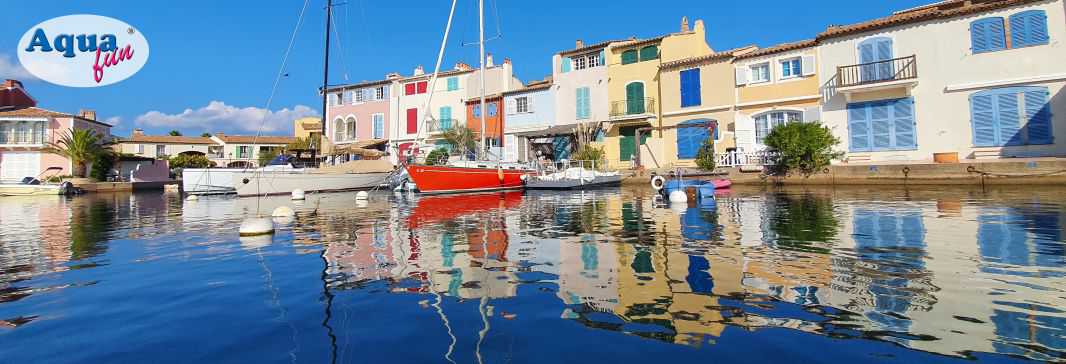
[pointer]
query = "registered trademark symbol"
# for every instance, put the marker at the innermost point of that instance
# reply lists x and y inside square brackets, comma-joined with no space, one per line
[130,30]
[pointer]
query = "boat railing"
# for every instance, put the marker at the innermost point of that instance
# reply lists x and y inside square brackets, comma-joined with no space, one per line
[739,159]
[549,167]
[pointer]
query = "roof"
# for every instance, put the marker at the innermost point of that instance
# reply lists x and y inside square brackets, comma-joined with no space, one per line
[359,84]
[311,126]
[36,112]
[252,139]
[709,57]
[166,139]
[587,48]
[443,74]
[477,99]
[780,48]
[639,42]
[941,10]
[532,86]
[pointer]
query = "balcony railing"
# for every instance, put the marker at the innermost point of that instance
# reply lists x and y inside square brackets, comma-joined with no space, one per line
[740,159]
[22,137]
[877,72]
[632,107]
[442,125]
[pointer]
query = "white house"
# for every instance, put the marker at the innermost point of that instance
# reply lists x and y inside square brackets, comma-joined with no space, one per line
[977,78]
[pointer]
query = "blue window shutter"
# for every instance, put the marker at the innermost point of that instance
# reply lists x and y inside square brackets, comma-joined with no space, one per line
[884,52]
[903,124]
[858,128]
[997,35]
[695,93]
[603,58]
[445,117]
[987,35]
[1038,116]
[880,125]
[1038,33]
[690,87]
[1019,36]
[1009,119]
[1028,28]
[866,55]
[983,117]
[979,36]
[566,65]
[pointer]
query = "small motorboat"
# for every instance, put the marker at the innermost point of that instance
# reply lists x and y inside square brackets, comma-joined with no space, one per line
[38,186]
[704,188]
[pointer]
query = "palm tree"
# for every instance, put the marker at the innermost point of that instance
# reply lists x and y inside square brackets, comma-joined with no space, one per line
[80,146]
[205,135]
[461,138]
[175,133]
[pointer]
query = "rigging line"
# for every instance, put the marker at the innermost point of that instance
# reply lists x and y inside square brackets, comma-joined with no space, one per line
[273,91]
[426,113]
[340,44]
[447,326]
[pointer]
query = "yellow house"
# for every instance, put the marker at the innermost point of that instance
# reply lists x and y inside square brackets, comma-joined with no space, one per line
[633,86]
[775,86]
[697,94]
[309,127]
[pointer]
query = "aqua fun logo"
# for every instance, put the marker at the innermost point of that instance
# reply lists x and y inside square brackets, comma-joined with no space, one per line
[83,50]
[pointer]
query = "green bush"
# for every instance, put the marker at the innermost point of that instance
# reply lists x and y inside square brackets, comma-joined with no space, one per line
[266,156]
[190,161]
[436,156]
[705,156]
[590,153]
[802,146]
[102,164]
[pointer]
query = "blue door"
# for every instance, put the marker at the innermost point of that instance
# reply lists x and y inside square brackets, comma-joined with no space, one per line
[874,56]
[561,147]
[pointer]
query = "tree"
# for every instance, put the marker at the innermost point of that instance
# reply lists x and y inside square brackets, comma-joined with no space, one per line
[462,139]
[266,156]
[205,135]
[436,156]
[80,146]
[300,143]
[190,161]
[705,156]
[175,133]
[803,146]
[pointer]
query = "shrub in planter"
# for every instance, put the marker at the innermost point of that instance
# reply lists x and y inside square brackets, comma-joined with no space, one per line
[705,156]
[802,146]
[436,156]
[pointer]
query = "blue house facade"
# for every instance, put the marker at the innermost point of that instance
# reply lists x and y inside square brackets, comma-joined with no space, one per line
[529,125]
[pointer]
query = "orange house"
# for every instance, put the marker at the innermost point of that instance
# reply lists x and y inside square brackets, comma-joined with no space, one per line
[493,118]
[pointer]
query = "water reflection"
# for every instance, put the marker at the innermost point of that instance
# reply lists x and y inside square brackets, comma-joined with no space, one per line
[854,274]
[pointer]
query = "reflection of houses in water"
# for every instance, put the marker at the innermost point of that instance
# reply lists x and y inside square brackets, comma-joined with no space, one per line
[588,273]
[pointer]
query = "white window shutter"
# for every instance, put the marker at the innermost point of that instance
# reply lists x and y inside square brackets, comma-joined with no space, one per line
[812,114]
[529,103]
[742,76]
[512,106]
[808,65]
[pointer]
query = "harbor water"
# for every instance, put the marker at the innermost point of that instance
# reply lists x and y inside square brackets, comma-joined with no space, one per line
[756,275]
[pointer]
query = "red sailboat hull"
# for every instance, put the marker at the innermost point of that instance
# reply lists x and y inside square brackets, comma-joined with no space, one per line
[447,179]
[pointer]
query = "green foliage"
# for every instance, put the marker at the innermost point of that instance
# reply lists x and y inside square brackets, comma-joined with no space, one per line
[175,133]
[205,135]
[266,156]
[589,152]
[102,164]
[190,161]
[300,143]
[461,138]
[802,146]
[437,156]
[800,223]
[80,146]
[705,156]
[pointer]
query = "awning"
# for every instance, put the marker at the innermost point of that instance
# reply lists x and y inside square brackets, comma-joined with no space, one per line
[552,131]
[364,148]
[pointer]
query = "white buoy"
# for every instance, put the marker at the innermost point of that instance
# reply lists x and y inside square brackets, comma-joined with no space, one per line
[256,226]
[361,203]
[192,198]
[283,211]
[256,242]
[362,195]
[678,196]
[297,194]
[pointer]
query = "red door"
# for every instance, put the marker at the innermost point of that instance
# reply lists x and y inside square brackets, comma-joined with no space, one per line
[412,121]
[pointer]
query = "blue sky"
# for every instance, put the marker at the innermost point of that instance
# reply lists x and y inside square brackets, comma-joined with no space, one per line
[213,62]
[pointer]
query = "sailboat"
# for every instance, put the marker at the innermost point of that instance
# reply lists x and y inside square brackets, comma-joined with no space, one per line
[467,176]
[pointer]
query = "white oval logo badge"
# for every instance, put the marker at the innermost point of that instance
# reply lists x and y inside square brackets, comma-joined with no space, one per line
[83,50]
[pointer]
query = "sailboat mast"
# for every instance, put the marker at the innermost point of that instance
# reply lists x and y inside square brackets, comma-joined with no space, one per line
[481,43]
[325,66]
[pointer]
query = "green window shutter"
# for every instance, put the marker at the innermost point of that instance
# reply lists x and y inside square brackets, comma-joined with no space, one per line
[565,67]
[445,117]
[649,53]
[629,56]
[453,83]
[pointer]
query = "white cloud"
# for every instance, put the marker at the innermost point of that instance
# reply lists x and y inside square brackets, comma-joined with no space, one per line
[114,120]
[217,116]
[11,69]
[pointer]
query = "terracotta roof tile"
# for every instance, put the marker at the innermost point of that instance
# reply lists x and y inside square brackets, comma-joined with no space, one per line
[781,48]
[709,57]
[166,139]
[250,139]
[639,42]
[587,48]
[533,86]
[36,112]
[942,10]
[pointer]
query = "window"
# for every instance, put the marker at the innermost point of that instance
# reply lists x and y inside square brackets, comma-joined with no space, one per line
[445,117]
[1011,116]
[422,87]
[379,126]
[649,53]
[381,92]
[791,68]
[582,103]
[338,99]
[492,109]
[415,88]
[22,132]
[1028,28]
[635,98]
[874,54]
[140,148]
[349,129]
[244,151]
[453,83]
[690,137]
[760,73]
[565,66]
[579,62]
[160,150]
[412,121]
[409,89]
[882,125]
[690,87]
[587,60]
[477,110]
[629,56]
[360,95]
[987,35]
[338,130]
[764,123]
[522,104]
[347,98]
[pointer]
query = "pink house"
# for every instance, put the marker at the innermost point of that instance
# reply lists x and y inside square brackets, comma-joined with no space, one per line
[25,130]
[357,115]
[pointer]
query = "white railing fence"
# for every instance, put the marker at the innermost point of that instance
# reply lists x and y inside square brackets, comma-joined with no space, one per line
[738,159]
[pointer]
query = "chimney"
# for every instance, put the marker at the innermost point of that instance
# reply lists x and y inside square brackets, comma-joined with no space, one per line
[9,83]
[392,76]
[699,26]
[219,134]
[579,44]
[88,114]
[488,60]
[684,24]
[507,61]
[419,71]
[138,132]
[462,66]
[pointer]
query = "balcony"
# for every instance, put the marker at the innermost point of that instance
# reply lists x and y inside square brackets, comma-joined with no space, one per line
[442,125]
[633,108]
[873,76]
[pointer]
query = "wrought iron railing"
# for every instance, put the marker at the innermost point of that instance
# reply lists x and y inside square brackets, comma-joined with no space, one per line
[633,107]
[876,72]
[442,125]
